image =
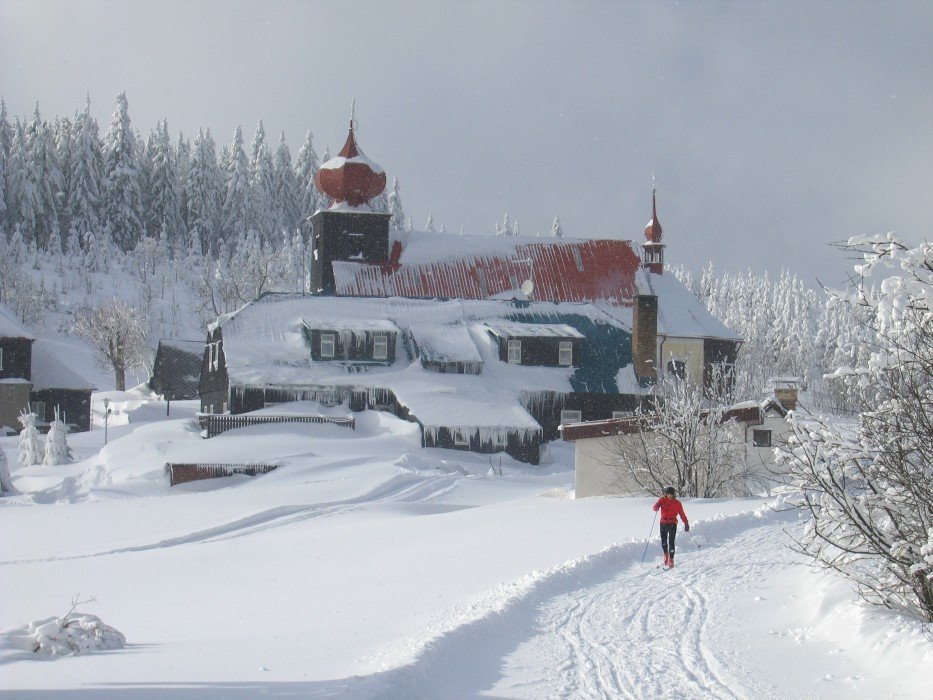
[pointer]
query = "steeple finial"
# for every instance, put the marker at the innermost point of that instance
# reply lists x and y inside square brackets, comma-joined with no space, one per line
[352,112]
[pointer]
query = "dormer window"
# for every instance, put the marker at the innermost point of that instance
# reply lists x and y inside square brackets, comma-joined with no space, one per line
[565,353]
[328,344]
[515,352]
[380,346]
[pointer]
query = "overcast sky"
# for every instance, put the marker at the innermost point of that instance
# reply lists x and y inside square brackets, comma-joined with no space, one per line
[772,128]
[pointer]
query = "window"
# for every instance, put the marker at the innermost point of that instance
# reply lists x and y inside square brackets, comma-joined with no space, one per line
[499,439]
[380,346]
[565,353]
[328,344]
[570,417]
[1,358]
[213,355]
[761,438]
[515,352]
[38,407]
[460,438]
[677,368]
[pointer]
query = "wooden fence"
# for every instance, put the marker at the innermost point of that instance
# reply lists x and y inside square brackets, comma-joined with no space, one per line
[182,473]
[217,423]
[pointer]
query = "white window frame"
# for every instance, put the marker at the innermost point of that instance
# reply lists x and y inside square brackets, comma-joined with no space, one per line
[514,351]
[500,440]
[565,353]
[567,416]
[381,340]
[331,340]
[213,355]
[461,439]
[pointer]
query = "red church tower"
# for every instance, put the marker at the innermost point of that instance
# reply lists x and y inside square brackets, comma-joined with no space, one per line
[653,249]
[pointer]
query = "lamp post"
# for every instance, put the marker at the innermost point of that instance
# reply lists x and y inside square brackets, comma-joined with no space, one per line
[106,418]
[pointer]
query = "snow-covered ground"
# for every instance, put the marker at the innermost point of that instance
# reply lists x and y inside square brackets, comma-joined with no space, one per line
[369,567]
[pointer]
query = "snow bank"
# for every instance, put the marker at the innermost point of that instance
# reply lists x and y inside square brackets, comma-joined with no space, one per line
[73,634]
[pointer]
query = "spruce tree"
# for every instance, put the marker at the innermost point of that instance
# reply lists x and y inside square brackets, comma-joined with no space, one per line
[204,194]
[286,193]
[122,188]
[6,482]
[236,190]
[306,171]
[397,220]
[56,443]
[30,451]
[87,172]
[6,139]
[556,230]
[164,200]
[24,202]
[261,185]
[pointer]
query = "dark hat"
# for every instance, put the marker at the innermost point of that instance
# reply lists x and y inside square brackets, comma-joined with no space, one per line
[671,490]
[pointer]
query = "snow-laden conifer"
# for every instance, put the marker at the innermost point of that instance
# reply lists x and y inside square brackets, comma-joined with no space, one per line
[556,230]
[261,187]
[306,168]
[204,193]
[46,176]
[286,195]
[397,220]
[6,481]
[164,189]
[429,224]
[87,173]
[30,450]
[236,189]
[56,443]
[123,206]
[23,202]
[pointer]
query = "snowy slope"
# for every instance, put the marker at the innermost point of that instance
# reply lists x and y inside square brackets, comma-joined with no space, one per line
[368,567]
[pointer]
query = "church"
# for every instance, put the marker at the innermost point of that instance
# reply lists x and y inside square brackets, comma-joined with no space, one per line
[488,343]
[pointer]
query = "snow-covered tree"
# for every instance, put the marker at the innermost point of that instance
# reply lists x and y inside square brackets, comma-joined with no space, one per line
[236,201]
[681,439]
[46,174]
[30,450]
[397,220]
[123,205]
[556,230]
[6,481]
[204,189]
[286,194]
[429,224]
[117,333]
[306,168]
[163,199]
[56,443]
[261,187]
[23,198]
[87,173]
[869,490]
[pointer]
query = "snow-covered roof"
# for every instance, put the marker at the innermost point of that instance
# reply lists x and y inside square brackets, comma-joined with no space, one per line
[338,162]
[264,346]
[195,347]
[351,325]
[50,372]
[10,326]
[505,329]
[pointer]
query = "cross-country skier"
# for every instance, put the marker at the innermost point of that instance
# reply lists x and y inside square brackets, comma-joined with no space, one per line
[670,508]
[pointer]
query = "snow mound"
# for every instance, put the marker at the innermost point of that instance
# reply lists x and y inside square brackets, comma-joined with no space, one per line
[76,633]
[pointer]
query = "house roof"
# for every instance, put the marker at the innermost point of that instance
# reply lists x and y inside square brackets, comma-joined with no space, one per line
[264,346]
[177,369]
[50,372]
[11,327]
[506,329]
[429,264]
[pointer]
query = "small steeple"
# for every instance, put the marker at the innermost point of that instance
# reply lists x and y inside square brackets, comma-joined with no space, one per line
[653,249]
[653,230]
[351,177]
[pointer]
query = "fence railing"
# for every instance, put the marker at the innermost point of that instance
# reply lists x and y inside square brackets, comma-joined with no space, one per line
[180,473]
[217,423]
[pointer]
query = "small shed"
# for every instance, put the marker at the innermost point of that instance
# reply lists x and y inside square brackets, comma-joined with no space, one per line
[176,372]
[57,386]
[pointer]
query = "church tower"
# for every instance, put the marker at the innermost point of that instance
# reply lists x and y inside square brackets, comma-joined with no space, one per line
[653,249]
[349,229]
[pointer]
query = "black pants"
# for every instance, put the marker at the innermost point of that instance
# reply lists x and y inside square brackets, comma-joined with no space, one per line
[668,535]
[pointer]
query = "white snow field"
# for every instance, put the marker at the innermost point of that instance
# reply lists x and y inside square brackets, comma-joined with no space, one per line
[369,567]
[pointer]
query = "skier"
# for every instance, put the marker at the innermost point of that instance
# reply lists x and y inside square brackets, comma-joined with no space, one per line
[670,508]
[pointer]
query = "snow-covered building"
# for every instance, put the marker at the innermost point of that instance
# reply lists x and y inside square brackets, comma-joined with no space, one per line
[489,343]
[176,371]
[33,377]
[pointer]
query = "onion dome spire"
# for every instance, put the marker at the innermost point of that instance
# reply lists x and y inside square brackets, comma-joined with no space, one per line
[351,177]
[653,230]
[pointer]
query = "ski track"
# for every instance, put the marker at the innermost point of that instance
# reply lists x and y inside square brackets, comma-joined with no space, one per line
[644,633]
[402,488]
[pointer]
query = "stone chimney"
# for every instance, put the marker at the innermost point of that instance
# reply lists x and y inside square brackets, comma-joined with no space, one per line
[645,338]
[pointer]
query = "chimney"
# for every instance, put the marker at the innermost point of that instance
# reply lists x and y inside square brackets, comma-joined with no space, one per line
[785,391]
[645,338]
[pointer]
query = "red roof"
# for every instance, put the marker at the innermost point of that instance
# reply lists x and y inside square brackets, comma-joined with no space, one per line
[578,271]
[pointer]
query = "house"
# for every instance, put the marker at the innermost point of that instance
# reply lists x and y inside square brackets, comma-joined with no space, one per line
[489,343]
[176,372]
[32,376]
[762,425]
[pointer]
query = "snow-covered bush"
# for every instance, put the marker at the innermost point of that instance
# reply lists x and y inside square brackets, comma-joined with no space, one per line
[73,634]
[30,451]
[56,444]
[117,333]
[6,482]
[869,490]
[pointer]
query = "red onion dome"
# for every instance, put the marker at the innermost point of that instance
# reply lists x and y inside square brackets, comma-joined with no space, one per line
[351,177]
[653,229]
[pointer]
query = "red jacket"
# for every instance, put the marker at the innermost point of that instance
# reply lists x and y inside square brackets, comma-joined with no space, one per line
[670,508]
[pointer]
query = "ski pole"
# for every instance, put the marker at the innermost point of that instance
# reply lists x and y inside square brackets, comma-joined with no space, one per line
[693,540]
[647,541]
